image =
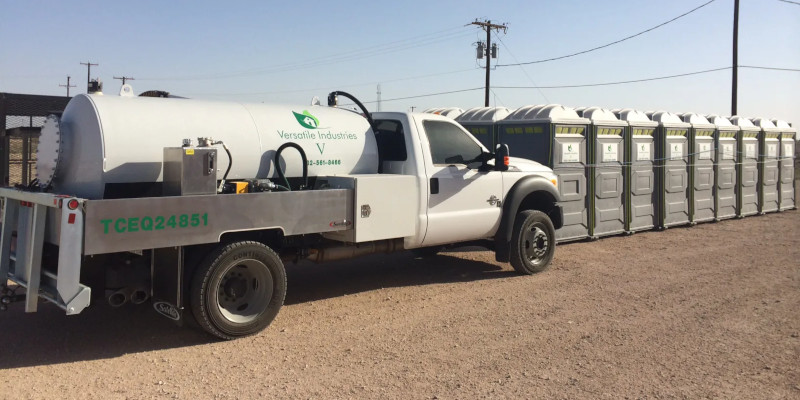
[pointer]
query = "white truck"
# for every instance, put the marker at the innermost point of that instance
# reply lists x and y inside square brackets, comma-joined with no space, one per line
[128,207]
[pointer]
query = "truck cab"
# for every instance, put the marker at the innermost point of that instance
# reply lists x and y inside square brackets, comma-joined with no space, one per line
[464,195]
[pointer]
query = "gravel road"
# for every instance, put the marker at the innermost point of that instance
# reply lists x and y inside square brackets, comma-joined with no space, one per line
[710,311]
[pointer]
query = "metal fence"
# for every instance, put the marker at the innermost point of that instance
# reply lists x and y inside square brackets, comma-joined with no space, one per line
[21,118]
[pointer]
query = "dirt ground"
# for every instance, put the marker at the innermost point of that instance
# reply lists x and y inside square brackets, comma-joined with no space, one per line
[711,311]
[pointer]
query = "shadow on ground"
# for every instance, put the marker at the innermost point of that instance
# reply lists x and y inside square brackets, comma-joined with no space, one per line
[100,332]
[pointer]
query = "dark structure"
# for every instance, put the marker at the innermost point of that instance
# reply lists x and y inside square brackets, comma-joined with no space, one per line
[21,118]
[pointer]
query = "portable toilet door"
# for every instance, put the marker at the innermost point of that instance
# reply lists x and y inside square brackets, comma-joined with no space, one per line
[555,137]
[787,151]
[606,157]
[768,172]
[640,185]
[747,160]
[672,169]
[481,122]
[702,179]
[450,112]
[725,172]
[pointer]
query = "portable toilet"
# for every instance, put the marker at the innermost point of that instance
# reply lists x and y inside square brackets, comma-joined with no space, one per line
[672,169]
[556,137]
[450,112]
[605,157]
[726,169]
[747,143]
[787,155]
[769,141]
[702,177]
[640,194]
[481,122]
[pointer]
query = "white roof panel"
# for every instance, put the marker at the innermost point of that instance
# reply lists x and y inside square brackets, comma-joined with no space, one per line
[636,118]
[483,115]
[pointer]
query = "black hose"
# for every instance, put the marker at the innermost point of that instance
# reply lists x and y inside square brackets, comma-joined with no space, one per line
[280,170]
[230,162]
[332,102]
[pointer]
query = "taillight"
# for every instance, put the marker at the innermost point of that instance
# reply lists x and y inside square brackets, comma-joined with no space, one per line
[72,204]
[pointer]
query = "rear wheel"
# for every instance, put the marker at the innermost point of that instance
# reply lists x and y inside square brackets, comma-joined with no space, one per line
[533,242]
[238,289]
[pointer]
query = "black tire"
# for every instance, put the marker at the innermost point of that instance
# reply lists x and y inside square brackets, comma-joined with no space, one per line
[533,242]
[238,290]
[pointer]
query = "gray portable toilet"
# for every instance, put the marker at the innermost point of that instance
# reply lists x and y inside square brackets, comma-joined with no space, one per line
[556,137]
[450,112]
[787,155]
[640,186]
[747,160]
[672,169]
[726,169]
[769,141]
[702,204]
[481,122]
[605,158]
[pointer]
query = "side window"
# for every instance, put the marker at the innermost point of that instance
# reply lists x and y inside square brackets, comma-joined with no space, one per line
[391,140]
[450,144]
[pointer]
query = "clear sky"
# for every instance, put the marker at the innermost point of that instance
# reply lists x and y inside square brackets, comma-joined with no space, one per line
[288,52]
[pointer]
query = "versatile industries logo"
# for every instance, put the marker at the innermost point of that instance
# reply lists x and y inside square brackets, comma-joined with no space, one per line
[306,120]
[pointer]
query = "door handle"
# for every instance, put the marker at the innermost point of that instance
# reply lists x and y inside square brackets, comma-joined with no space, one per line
[434,185]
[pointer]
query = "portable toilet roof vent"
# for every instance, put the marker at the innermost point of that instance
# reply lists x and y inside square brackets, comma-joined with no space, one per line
[525,113]
[597,114]
[450,112]
[483,114]
[559,113]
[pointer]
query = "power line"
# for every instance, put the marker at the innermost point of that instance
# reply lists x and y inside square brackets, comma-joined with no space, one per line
[124,78]
[383,81]
[770,68]
[615,83]
[612,43]
[398,45]
[423,95]
[790,2]
[524,71]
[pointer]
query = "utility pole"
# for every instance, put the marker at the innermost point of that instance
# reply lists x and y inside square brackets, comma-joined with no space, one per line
[491,50]
[67,85]
[379,98]
[124,78]
[88,65]
[735,74]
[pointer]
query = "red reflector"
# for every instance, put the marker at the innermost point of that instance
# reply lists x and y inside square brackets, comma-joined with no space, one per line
[71,219]
[72,204]
[505,160]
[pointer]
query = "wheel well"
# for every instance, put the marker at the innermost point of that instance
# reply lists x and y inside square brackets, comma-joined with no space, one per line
[542,201]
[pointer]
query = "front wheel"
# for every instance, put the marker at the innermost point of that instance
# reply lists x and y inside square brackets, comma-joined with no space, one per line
[533,242]
[238,289]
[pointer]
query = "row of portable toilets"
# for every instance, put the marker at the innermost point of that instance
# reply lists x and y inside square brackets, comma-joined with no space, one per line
[623,171]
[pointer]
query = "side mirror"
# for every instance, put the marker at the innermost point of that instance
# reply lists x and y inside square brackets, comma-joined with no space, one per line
[501,157]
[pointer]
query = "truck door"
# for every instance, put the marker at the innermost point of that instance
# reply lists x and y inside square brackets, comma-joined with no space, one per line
[463,202]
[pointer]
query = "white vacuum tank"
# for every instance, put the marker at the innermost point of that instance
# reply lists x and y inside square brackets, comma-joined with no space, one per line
[107,139]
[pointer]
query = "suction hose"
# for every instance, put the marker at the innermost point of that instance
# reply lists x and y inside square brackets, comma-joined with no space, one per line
[332,102]
[280,170]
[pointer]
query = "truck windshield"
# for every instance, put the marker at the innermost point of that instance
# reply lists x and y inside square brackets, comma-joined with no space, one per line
[451,145]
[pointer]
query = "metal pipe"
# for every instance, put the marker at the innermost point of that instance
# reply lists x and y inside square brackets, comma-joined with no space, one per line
[118,298]
[343,252]
[139,295]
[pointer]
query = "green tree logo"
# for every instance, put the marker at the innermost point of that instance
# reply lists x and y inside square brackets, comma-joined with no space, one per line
[569,148]
[306,119]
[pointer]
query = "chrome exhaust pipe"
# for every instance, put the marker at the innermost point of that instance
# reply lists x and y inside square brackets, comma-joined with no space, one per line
[118,298]
[139,295]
